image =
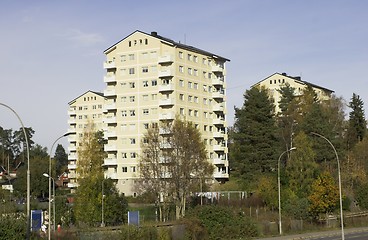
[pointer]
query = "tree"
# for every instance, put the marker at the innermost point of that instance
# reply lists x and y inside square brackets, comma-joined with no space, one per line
[357,123]
[171,160]
[255,143]
[267,191]
[61,160]
[324,195]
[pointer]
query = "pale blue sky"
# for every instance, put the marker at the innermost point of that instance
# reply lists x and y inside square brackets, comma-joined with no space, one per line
[52,51]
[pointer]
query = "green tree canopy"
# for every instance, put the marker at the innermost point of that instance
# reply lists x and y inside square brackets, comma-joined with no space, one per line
[357,122]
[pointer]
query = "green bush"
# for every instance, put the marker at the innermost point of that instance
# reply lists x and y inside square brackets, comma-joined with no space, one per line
[13,227]
[133,232]
[221,223]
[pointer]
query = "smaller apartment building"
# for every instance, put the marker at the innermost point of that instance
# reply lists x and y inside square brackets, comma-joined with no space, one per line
[83,110]
[274,82]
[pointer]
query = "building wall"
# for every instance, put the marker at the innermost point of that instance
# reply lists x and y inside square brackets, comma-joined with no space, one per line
[86,109]
[150,80]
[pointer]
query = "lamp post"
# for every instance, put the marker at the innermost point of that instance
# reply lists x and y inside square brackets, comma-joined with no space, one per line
[50,177]
[53,202]
[28,173]
[279,185]
[339,173]
[102,209]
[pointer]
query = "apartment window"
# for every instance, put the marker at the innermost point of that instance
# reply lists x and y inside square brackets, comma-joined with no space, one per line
[100,106]
[132,127]
[204,74]
[153,69]
[124,113]
[132,140]
[131,71]
[270,81]
[190,112]
[205,88]
[154,82]
[189,57]
[145,125]
[122,71]
[195,72]
[85,108]
[132,99]
[181,97]
[122,58]
[205,128]
[181,83]
[94,107]
[124,169]
[132,169]
[131,56]
[205,101]
[123,127]
[190,98]
[124,155]
[154,96]
[195,113]
[153,54]
[145,111]
[145,83]
[145,97]
[209,88]
[181,69]
[196,99]
[190,71]
[132,113]
[133,155]
[181,55]
[195,85]
[195,58]
[205,114]
[132,84]
[181,111]
[210,75]
[189,84]
[144,69]
[123,99]
[145,55]
[203,60]
[80,108]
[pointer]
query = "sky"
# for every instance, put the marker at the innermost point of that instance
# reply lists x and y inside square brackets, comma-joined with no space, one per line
[52,51]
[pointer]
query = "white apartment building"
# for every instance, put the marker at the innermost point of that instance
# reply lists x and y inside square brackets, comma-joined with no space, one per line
[150,78]
[83,110]
[274,82]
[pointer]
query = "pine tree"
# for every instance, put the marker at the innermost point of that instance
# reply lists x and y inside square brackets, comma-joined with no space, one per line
[255,144]
[61,160]
[357,123]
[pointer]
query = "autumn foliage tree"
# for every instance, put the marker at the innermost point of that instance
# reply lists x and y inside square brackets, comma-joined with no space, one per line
[173,159]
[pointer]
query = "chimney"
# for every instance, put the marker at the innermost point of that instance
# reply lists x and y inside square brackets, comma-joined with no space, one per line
[154,34]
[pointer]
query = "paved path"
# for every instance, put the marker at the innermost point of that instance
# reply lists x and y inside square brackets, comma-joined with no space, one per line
[316,234]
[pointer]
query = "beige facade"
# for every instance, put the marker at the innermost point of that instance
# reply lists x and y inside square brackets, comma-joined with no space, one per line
[274,82]
[83,110]
[150,79]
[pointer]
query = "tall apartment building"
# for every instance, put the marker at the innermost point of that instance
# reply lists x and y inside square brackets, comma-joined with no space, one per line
[274,82]
[83,110]
[150,79]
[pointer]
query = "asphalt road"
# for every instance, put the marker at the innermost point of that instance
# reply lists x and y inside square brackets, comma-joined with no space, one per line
[350,234]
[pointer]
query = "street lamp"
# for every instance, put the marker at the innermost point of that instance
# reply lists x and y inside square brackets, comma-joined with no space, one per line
[28,173]
[53,202]
[50,177]
[339,173]
[279,186]
[102,209]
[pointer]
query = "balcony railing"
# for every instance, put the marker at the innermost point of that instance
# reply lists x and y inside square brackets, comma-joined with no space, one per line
[73,185]
[72,156]
[166,59]
[165,73]
[167,102]
[166,88]
[108,148]
[217,68]
[219,134]
[219,121]
[218,108]
[109,64]
[222,174]
[110,134]
[218,94]
[109,92]
[109,79]
[167,116]
[110,161]
[219,161]
[72,166]
[110,119]
[218,81]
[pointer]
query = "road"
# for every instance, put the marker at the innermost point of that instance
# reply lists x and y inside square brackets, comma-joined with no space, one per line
[350,234]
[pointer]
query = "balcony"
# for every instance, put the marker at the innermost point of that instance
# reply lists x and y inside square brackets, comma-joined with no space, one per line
[109,92]
[109,65]
[166,88]
[166,59]
[217,68]
[72,148]
[72,130]
[219,134]
[73,185]
[72,121]
[222,174]
[218,108]
[72,112]
[109,79]
[112,175]
[167,102]
[110,134]
[218,81]
[167,116]
[164,131]
[165,145]
[110,162]
[218,95]
[72,138]
[219,148]
[110,119]
[72,156]
[72,166]
[218,121]
[165,73]
[109,106]
[110,148]
[219,161]
[72,175]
